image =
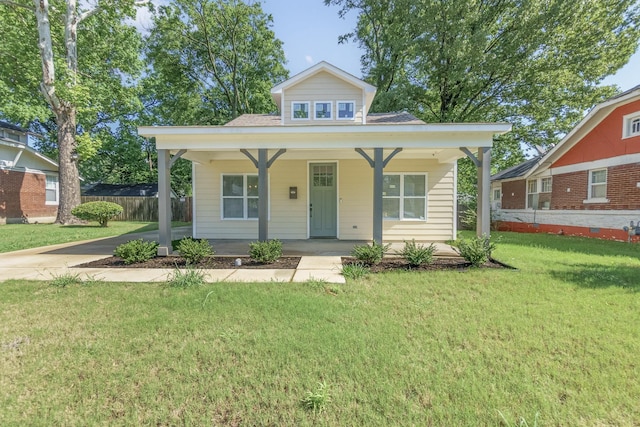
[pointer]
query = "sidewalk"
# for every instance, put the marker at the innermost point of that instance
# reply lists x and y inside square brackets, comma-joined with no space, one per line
[319,260]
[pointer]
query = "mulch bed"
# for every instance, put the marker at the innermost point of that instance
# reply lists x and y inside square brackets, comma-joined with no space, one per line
[212,262]
[439,263]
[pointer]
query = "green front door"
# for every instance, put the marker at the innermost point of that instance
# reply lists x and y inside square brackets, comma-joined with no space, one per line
[323,210]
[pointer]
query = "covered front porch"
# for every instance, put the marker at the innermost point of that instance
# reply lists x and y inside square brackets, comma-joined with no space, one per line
[280,159]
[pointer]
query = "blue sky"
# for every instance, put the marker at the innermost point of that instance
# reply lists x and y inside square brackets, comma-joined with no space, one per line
[310,32]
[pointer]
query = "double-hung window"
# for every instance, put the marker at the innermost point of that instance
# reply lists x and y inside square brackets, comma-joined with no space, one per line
[597,185]
[532,194]
[51,190]
[240,196]
[299,110]
[404,196]
[346,110]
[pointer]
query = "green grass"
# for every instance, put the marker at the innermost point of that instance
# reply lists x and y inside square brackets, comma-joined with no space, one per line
[14,237]
[555,342]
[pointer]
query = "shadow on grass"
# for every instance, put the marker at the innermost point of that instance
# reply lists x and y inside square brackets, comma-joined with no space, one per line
[582,245]
[594,276]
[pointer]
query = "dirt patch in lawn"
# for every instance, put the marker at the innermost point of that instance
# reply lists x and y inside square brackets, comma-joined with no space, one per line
[212,262]
[439,263]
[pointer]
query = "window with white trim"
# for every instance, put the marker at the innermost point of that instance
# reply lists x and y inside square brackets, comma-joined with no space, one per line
[240,196]
[51,190]
[322,110]
[631,125]
[532,194]
[497,198]
[299,110]
[404,196]
[346,110]
[597,184]
[545,185]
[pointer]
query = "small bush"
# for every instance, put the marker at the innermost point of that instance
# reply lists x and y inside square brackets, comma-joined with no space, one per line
[477,251]
[186,278]
[265,252]
[194,251]
[97,211]
[316,400]
[136,251]
[355,271]
[370,254]
[417,255]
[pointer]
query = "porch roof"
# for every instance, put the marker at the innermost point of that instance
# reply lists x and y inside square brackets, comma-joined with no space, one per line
[325,137]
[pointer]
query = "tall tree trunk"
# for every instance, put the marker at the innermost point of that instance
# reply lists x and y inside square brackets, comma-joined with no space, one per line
[68,165]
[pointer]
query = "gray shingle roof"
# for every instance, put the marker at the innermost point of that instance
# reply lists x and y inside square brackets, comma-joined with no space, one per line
[6,125]
[403,118]
[517,170]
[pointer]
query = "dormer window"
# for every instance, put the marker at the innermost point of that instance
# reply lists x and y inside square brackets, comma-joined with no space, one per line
[323,110]
[346,110]
[299,110]
[631,123]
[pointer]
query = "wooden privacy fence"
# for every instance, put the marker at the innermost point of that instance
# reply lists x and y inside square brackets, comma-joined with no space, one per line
[145,208]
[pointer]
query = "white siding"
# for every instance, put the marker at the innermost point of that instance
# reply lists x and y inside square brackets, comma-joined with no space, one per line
[322,87]
[615,219]
[288,217]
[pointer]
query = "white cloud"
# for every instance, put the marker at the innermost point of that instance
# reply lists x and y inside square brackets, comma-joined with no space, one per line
[309,59]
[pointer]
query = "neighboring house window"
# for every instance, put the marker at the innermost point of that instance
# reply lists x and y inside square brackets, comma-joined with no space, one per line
[346,110]
[404,196]
[51,190]
[532,194]
[323,110]
[631,125]
[300,110]
[497,198]
[598,184]
[545,185]
[240,196]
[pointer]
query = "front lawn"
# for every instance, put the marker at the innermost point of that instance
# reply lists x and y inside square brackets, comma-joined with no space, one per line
[555,341]
[14,237]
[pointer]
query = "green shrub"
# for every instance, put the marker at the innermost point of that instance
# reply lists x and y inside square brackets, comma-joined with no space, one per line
[136,251]
[355,271]
[477,251]
[97,211]
[186,278]
[370,254]
[194,250]
[265,252]
[417,255]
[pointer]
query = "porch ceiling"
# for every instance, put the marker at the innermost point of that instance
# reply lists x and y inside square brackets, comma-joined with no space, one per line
[441,155]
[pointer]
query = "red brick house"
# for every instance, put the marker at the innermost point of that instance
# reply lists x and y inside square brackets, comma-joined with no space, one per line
[28,180]
[587,185]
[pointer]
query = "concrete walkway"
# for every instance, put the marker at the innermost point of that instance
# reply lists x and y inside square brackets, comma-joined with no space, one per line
[320,259]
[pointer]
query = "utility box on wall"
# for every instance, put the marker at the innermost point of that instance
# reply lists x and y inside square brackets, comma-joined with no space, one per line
[293,192]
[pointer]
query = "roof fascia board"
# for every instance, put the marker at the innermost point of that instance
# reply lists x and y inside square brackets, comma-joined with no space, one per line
[331,69]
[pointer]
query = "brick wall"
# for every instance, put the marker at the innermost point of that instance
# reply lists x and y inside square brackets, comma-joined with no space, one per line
[22,196]
[622,189]
[568,190]
[514,194]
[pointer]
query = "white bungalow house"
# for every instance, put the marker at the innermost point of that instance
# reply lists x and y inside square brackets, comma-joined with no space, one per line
[324,167]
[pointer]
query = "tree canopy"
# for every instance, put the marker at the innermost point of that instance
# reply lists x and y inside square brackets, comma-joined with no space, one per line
[210,61]
[534,63]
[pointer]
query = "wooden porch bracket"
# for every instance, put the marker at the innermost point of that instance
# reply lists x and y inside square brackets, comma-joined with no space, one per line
[378,163]
[263,163]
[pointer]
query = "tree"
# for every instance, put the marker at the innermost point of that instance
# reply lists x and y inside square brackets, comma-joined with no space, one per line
[534,63]
[211,60]
[85,82]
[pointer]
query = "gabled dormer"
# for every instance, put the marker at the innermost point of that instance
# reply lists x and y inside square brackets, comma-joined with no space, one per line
[323,95]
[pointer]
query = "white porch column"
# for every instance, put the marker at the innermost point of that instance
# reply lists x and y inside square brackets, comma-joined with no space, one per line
[164,203]
[483,220]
